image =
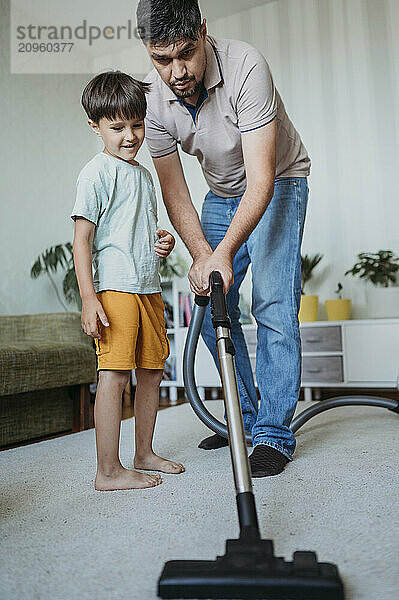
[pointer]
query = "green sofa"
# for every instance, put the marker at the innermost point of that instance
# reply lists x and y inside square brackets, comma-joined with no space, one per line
[46,365]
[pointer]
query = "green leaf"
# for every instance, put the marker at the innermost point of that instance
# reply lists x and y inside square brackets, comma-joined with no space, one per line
[36,269]
[70,287]
[308,263]
[379,268]
[170,267]
[59,257]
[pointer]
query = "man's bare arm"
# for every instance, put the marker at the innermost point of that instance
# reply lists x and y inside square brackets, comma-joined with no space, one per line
[179,206]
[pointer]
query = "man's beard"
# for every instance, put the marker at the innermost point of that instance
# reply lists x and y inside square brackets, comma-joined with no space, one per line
[187,93]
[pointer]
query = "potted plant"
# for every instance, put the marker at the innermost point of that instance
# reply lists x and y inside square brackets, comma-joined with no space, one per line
[60,256]
[380,269]
[338,309]
[309,302]
[172,266]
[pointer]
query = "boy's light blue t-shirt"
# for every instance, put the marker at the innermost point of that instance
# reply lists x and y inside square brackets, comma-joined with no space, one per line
[119,198]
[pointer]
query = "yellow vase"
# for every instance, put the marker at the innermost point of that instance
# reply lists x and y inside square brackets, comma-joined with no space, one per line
[338,309]
[309,308]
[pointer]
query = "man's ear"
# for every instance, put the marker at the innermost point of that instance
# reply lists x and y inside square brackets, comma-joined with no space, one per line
[94,126]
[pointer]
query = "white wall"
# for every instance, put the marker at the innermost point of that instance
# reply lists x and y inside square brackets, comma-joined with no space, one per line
[336,65]
[43,145]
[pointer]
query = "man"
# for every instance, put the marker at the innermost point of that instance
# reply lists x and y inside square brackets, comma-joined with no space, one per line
[216,98]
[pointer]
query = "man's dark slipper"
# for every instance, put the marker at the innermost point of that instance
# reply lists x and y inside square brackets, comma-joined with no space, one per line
[213,442]
[265,461]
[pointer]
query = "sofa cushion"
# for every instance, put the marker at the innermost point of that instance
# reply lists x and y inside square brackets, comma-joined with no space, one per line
[42,327]
[27,366]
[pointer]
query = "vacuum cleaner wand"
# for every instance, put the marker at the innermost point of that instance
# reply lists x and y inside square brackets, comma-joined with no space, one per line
[249,568]
[238,448]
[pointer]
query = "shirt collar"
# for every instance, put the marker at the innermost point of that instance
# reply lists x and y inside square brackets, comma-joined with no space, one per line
[212,77]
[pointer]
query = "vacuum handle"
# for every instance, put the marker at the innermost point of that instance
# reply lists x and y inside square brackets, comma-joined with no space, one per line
[220,317]
[215,280]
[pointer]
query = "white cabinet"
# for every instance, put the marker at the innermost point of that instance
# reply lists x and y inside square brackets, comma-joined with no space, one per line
[372,352]
[361,354]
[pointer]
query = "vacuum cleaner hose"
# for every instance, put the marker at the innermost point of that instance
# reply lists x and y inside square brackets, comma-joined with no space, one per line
[197,318]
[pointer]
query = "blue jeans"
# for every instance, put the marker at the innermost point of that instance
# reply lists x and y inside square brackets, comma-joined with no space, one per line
[274,251]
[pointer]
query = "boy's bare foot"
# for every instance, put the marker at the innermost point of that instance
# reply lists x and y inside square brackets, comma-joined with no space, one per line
[153,462]
[125,479]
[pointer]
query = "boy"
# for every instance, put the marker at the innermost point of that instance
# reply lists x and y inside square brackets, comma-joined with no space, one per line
[115,216]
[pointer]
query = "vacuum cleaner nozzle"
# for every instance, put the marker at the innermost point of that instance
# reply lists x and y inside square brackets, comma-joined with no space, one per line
[249,569]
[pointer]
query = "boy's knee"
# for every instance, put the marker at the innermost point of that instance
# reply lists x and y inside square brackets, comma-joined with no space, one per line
[114,377]
[153,376]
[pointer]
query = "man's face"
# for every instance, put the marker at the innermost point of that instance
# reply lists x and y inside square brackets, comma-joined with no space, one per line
[181,65]
[122,138]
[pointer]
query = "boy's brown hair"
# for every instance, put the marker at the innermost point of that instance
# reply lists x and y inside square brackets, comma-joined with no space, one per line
[114,95]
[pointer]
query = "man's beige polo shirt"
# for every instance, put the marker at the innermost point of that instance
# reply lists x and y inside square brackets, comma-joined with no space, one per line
[241,97]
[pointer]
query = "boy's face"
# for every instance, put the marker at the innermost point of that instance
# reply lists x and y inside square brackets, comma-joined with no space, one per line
[181,65]
[122,138]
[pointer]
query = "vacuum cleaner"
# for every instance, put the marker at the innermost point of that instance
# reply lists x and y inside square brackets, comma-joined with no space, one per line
[249,568]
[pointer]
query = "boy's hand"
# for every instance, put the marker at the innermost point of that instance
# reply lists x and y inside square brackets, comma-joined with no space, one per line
[90,309]
[165,243]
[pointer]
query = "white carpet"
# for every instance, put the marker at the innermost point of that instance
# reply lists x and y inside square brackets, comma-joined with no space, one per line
[62,540]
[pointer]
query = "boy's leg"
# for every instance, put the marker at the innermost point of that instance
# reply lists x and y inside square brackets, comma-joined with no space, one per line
[146,402]
[111,475]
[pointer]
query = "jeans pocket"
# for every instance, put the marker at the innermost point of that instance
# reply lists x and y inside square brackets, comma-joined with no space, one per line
[286,181]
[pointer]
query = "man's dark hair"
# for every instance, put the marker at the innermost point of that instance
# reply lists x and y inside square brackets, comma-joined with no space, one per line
[114,95]
[165,22]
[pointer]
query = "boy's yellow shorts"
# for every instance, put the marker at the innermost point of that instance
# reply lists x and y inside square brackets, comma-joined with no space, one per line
[136,335]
